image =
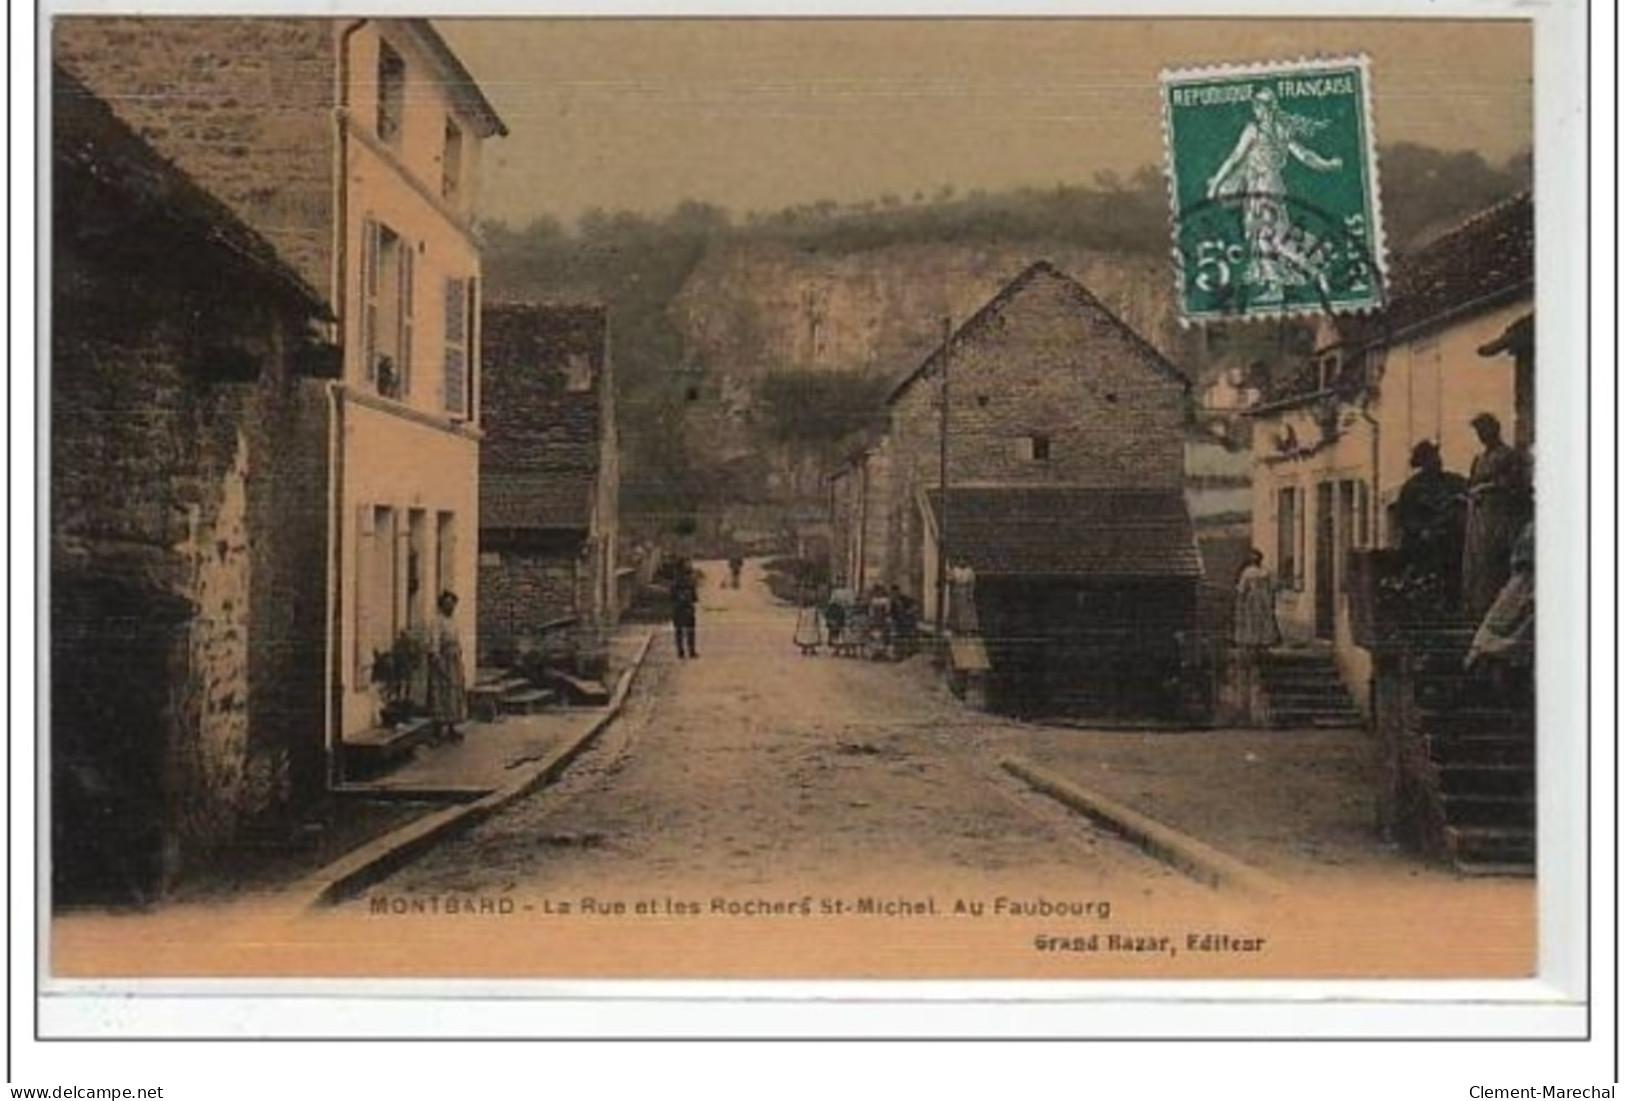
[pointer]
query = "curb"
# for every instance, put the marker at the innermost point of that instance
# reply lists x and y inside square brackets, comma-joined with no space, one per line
[1179,850]
[357,870]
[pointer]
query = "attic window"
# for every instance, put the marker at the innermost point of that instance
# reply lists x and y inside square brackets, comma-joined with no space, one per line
[1034,448]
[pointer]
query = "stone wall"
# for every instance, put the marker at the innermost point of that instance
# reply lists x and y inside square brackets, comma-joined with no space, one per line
[243,106]
[1049,364]
[188,545]
[521,589]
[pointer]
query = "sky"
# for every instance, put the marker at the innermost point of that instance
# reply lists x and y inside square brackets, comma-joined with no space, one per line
[759,114]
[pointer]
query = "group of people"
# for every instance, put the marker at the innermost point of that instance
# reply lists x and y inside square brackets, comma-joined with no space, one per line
[1456,535]
[883,623]
[1466,548]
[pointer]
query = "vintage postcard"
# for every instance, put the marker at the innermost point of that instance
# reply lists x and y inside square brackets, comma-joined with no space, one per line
[779,499]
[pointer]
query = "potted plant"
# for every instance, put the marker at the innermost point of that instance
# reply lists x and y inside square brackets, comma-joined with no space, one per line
[394,671]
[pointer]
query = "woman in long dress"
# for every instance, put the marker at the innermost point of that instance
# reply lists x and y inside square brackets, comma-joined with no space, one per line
[448,693]
[1255,626]
[1498,502]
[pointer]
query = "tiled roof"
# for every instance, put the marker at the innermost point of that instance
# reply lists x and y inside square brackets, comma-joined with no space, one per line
[91,147]
[537,500]
[544,441]
[1485,260]
[1051,531]
[995,306]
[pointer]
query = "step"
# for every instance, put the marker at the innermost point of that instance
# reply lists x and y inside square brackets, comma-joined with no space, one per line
[376,747]
[485,702]
[1481,749]
[1492,846]
[384,738]
[1308,655]
[1329,719]
[1473,720]
[1304,684]
[1489,810]
[1487,779]
[1310,700]
[503,685]
[525,701]
[579,690]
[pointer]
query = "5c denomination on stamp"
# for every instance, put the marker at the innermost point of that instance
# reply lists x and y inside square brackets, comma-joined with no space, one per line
[1273,181]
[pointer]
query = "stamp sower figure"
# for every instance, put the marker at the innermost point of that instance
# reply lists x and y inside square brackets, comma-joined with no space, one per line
[1253,172]
[1429,513]
[1255,627]
[1497,506]
[684,598]
[448,696]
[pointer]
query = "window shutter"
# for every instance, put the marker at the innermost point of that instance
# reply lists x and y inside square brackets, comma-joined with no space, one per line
[456,378]
[407,295]
[369,296]
[362,626]
[471,389]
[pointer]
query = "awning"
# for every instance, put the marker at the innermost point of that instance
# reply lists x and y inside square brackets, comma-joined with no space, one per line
[1068,531]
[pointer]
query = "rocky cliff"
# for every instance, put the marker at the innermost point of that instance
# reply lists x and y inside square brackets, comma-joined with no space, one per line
[751,308]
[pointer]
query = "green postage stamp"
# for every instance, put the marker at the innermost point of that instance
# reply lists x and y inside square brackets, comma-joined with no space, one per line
[1273,180]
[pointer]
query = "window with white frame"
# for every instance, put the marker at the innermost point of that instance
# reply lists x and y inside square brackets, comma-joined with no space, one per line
[387,292]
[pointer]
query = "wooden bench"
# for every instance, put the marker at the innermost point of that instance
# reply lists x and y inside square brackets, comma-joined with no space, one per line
[525,701]
[371,749]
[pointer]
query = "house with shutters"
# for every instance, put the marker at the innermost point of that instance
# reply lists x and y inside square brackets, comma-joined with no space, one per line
[1332,451]
[353,146]
[1061,533]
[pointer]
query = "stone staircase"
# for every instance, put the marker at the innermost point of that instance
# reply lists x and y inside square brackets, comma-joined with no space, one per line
[1479,742]
[499,692]
[1302,689]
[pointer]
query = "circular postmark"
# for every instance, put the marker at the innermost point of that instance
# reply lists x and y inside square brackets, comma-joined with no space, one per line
[1255,254]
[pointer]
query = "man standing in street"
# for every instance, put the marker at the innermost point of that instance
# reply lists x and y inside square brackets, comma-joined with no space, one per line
[684,598]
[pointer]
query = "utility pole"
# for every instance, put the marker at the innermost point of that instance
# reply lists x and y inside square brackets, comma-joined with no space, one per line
[942,486]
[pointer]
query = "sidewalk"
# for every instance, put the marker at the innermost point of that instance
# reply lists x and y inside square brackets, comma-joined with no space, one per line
[377,825]
[1289,805]
[453,786]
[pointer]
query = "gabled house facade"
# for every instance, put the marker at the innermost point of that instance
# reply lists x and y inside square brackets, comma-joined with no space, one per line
[549,478]
[1064,499]
[354,147]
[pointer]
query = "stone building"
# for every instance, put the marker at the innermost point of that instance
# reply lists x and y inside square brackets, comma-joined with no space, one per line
[549,477]
[188,507]
[1065,479]
[354,147]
